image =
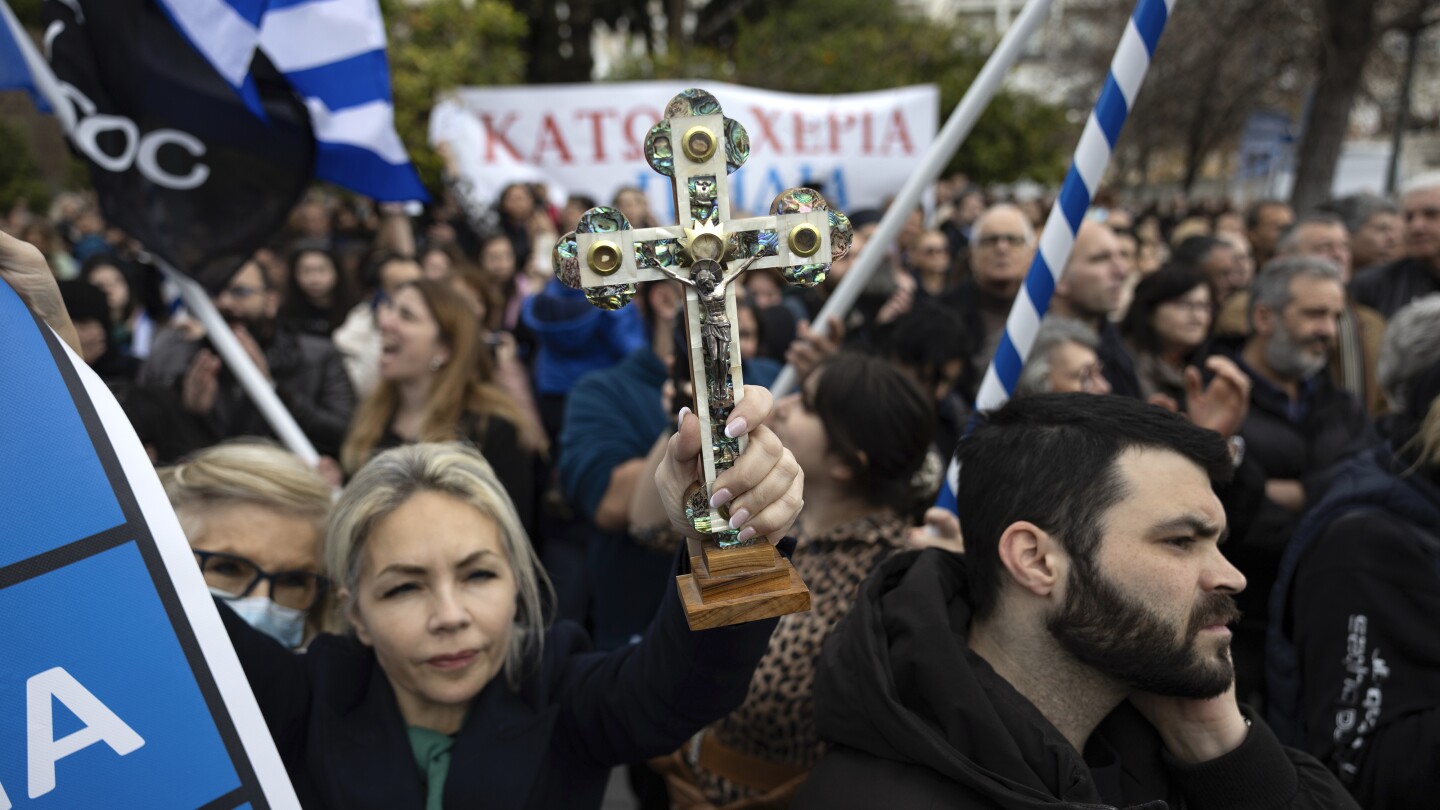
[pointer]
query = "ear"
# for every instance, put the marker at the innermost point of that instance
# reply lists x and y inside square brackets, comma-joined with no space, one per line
[841,471]
[1033,558]
[1062,287]
[272,303]
[352,613]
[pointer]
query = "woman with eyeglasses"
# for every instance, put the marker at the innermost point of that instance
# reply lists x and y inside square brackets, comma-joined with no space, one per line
[449,687]
[254,515]
[1167,324]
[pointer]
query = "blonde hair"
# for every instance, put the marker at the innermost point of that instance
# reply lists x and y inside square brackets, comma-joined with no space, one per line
[462,385]
[244,472]
[392,478]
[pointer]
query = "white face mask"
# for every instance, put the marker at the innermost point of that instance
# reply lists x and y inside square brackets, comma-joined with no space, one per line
[285,625]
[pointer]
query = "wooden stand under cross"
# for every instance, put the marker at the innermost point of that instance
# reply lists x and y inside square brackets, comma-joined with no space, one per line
[698,147]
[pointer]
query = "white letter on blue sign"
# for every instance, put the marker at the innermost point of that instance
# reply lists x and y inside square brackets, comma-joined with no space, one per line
[101,725]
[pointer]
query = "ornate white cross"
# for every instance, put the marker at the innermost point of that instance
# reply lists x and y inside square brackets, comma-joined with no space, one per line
[606,258]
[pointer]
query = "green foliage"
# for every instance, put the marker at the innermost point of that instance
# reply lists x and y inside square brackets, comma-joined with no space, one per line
[850,46]
[442,45]
[1017,137]
[19,173]
[28,12]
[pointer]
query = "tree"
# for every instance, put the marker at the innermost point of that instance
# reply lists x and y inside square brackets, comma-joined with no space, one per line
[438,46]
[873,45]
[559,39]
[1350,34]
[20,177]
[1217,62]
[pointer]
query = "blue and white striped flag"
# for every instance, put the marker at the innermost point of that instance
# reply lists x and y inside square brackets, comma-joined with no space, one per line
[1092,156]
[333,54]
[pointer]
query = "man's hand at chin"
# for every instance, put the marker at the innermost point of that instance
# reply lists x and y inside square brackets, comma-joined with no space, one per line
[1195,730]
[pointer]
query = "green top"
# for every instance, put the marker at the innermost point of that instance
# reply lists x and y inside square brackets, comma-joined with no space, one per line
[432,755]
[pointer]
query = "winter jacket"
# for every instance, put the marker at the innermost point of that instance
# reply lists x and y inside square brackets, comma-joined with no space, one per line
[917,720]
[1353,658]
[309,376]
[1118,364]
[575,337]
[611,417]
[1331,427]
[1391,287]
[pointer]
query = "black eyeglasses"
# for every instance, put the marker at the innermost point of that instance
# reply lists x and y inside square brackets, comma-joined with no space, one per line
[237,576]
[990,240]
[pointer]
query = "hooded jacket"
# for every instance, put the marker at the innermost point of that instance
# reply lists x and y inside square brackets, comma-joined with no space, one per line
[1352,649]
[917,720]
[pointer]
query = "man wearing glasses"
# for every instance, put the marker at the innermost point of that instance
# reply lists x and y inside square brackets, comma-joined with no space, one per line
[307,371]
[1001,247]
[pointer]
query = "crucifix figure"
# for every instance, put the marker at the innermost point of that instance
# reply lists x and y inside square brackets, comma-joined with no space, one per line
[606,258]
[710,280]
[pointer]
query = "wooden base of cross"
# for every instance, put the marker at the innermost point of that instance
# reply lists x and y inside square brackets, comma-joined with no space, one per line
[734,585]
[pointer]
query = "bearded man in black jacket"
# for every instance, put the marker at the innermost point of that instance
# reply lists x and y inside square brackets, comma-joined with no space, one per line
[1077,654]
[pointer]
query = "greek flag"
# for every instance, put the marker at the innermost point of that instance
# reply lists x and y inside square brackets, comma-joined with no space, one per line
[16,72]
[333,54]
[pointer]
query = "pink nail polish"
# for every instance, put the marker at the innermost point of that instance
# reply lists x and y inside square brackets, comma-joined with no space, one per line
[736,427]
[720,498]
[738,518]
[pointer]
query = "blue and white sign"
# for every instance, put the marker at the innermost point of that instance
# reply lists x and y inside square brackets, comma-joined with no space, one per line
[118,684]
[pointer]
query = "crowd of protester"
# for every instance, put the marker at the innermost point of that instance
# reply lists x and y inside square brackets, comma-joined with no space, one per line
[1267,378]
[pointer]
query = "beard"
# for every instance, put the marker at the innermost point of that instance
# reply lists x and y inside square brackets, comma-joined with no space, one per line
[1107,630]
[1287,356]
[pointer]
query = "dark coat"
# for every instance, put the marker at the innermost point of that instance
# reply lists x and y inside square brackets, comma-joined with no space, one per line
[1353,659]
[1119,365]
[1333,428]
[335,720]
[1390,287]
[309,376]
[917,720]
[614,416]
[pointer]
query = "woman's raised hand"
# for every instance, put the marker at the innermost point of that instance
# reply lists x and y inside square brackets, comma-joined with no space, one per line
[23,267]
[765,489]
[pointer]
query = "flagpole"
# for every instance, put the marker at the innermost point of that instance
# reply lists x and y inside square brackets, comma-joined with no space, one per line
[957,128]
[260,390]
[1087,169]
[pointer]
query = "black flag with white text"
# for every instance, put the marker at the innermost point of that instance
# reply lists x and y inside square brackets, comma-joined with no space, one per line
[177,159]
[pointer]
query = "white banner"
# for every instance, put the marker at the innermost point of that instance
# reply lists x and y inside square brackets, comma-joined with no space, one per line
[590,139]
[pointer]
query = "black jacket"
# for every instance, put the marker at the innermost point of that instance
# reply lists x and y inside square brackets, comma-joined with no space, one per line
[309,376]
[1333,428]
[1119,365]
[1390,287]
[334,717]
[1353,657]
[916,720]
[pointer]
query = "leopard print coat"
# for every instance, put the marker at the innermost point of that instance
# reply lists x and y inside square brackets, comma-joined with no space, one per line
[777,720]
